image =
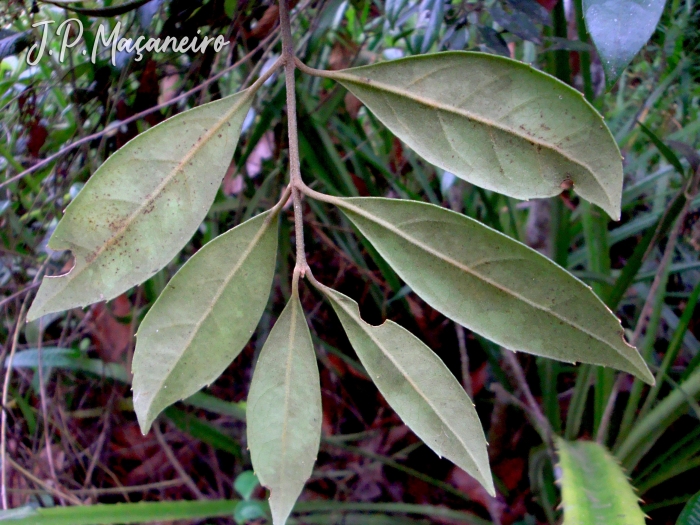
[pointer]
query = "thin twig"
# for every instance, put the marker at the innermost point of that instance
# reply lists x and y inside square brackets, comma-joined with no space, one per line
[533,408]
[44,408]
[6,389]
[48,488]
[113,490]
[177,465]
[17,294]
[464,359]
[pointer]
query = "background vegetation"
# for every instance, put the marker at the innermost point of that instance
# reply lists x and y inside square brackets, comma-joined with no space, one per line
[70,434]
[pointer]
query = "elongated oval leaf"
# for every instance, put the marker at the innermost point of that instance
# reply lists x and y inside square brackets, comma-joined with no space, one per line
[619,29]
[284,411]
[594,489]
[143,205]
[494,285]
[495,122]
[204,317]
[419,387]
[691,512]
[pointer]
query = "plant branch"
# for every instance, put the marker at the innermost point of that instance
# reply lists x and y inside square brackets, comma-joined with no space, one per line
[294,162]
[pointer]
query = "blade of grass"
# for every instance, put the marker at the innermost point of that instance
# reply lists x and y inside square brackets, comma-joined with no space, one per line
[647,430]
[672,351]
[202,431]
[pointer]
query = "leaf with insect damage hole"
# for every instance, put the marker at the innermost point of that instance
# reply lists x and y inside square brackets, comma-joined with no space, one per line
[491,284]
[594,488]
[143,205]
[204,317]
[284,411]
[495,122]
[419,387]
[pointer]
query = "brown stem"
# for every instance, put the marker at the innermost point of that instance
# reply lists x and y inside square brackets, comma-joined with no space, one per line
[294,163]
[530,402]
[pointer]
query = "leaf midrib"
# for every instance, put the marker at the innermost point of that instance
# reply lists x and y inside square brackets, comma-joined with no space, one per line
[364,326]
[470,271]
[287,389]
[372,84]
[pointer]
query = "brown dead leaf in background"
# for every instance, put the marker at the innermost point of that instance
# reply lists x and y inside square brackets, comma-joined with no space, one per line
[168,84]
[473,489]
[352,105]
[266,23]
[111,337]
[42,469]
[510,471]
[342,55]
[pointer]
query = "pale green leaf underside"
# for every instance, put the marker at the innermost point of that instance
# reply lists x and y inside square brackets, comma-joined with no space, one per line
[284,411]
[619,29]
[143,205]
[494,285]
[204,317]
[594,488]
[419,387]
[495,122]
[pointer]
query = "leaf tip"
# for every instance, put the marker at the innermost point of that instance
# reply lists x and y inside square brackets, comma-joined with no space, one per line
[145,420]
[647,376]
[34,312]
[280,508]
[490,487]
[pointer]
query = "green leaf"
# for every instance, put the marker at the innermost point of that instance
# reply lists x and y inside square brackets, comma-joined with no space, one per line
[495,122]
[594,488]
[139,513]
[284,411]
[667,152]
[430,16]
[143,205]
[124,513]
[249,512]
[419,387]
[204,317]
[246,483]
[492,284]
[619,29]
[230,7]
[691,512]
[203,431]
[69,359]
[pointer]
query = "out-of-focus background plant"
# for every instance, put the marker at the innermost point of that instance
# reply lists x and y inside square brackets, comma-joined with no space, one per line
[70,436]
